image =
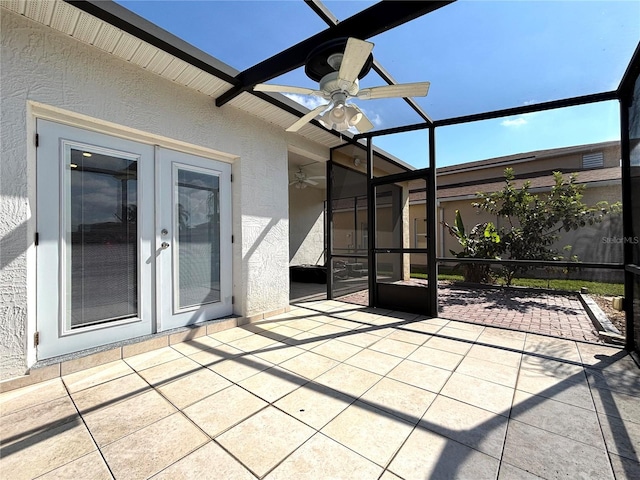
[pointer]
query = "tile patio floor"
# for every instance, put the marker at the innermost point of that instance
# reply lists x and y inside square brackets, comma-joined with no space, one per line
[333,390]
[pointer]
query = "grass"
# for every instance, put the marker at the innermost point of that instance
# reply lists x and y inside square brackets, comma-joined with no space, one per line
[596,288]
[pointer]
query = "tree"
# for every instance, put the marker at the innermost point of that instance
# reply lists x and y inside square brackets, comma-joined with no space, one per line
[482,241]
[534,223]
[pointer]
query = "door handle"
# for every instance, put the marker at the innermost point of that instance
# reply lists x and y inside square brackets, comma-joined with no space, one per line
[164,245]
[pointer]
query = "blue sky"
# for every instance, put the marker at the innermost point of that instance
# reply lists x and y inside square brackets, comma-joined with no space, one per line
[478,55]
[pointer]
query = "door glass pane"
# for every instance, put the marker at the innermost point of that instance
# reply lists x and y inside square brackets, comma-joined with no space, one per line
[101,237]
[197,227]
[390,216]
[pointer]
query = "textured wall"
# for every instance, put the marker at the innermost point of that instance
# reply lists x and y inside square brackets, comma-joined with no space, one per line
[38,64]
[306,226]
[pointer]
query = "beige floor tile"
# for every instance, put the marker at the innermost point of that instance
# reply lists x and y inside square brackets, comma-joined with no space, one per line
[231,334]
[281,333]
[399,399]
[362,339]
[28,422]
[330,330]
[460,347]
[89,466]
[553,456]
[456,333]
[25,397]
[150,359]
[376,362]
[109,393]
[502,338]
[553,348]
[472,426]
[364,317]
[273,383]
[94,376]
[303,324]
[241,367]
[409,336]
[625,381]
[246,441]
[492,372]
[373,433]
[480,393]
[509,472]
[279,352]
[206,463]
[306,340]
[196,345]
[558,417]
[622,437]
[116,421]
[216,355]
[394,347]
[193,387]
[420,375]
[38,454]
[170,371]
[323,458]
[471,327]
[624,467]
[222,410]
[152,449]
[314,404]
[568,389]
[428,455]
[309,365]
[599,356]
[337,350]
[387,475]
[496,355]
[436,358]
[349,380]
[617,404]
[424,327]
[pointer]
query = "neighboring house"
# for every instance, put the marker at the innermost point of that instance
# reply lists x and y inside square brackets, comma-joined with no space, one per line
[597,166]
[118,217]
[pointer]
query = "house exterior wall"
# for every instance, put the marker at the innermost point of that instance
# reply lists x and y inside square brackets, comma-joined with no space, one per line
[306,226]
[41,65]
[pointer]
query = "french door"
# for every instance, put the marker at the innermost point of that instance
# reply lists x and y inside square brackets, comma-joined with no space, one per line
[106,270]
[193,238]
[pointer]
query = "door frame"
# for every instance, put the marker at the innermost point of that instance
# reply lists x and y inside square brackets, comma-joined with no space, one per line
[113,132]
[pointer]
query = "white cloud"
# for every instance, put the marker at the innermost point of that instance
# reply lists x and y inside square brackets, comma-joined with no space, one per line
[310,102]
[515,122]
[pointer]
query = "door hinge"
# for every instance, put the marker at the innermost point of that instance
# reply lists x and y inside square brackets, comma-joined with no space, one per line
[233,300]
[37,140]
[36,239]
[36,339]
[232,239]
[232,178]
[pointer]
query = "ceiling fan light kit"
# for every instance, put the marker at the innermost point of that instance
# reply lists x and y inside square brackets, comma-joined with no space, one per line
[337,66]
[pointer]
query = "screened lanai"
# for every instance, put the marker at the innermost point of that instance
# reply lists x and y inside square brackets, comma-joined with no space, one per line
[512,84]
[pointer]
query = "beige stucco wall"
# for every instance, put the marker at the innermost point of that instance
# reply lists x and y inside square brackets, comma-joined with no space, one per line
[41,65]
[306,226]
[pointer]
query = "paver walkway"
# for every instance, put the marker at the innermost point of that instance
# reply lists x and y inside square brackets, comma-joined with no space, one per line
[545,313]
[332,390]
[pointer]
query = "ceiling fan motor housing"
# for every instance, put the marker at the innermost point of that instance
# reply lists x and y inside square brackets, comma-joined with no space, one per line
[317,64]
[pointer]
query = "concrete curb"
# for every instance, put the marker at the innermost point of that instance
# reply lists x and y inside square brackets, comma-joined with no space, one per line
[606,330]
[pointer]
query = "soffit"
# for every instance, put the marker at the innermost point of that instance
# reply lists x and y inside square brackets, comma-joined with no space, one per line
[88,29]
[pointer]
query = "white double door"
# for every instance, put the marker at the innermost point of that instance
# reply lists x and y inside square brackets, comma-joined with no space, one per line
[132,239]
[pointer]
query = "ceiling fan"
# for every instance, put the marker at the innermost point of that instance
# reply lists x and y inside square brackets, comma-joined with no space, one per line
[301,180]
[337,66]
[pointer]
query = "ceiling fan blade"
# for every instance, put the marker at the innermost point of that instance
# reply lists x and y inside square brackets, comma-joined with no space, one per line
[355,56]
[417,89]
[266,87]
[364,124]
[310,182]
[306,119]
[317,177]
